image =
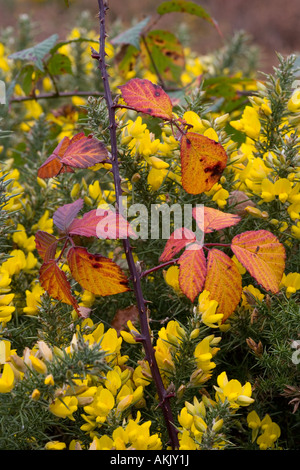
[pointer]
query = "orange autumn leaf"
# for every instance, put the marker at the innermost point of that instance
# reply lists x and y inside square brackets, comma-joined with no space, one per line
[55,282]
[95,273]
[223,281]
[203,160]
[262,255]
[78,152]
[210,219]
[192,271]
[147,97]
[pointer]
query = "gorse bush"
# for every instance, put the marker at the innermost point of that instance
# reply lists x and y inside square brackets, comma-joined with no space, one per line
[149,226]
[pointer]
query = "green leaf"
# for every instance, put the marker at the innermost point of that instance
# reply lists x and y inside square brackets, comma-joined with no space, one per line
[167,54]
[27,79]
[126,59]
[37,53]
[59,64]
[132,35]
[70,41]
[184,6]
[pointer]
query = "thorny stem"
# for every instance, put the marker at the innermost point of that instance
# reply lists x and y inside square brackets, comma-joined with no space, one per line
[135,275]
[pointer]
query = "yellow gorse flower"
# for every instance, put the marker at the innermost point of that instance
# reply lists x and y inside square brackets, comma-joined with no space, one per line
[233,392]
[268,430]
[249,123]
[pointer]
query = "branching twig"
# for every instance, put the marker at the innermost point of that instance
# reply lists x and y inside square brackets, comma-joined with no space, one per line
[163,395]
[160,266]
[48,96]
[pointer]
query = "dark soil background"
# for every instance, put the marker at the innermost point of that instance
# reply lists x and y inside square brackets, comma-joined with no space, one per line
[274,25]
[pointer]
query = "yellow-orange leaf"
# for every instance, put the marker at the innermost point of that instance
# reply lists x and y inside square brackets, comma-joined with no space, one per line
[192,271]
[262,255]
[147,97]
[203,160]
[95,273]
[55,282]
[223,281]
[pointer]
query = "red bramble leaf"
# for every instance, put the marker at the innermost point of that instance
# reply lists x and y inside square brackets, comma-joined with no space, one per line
[148,98]
[86,226]
[223,281]
[203,160]
[113,226]
[97,274]
[104,224]
[79,152]
[262,255]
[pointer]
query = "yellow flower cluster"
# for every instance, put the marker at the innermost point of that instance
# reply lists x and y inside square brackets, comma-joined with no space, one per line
[142,143]
[103,400]
[266,177]
[265,432]
[196,427]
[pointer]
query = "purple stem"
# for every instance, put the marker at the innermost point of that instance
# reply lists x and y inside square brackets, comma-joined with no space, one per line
[135,275]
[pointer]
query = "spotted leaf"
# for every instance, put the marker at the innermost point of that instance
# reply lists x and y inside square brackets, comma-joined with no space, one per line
[146,97]
[96,273]
[203,161]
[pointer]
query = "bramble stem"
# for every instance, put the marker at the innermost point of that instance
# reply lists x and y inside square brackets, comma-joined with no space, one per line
[164,399]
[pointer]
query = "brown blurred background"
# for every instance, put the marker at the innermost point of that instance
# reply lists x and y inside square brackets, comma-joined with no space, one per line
[274,25]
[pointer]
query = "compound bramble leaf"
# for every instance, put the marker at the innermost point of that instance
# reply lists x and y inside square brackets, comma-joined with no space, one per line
[213,219]
[223,281]
[192,271]
[46,245]
[178,240]
[262,255]
[55,282]
[79,152]
[97,274]
[65,215]
[53,166]
[147,97]
[203,160]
